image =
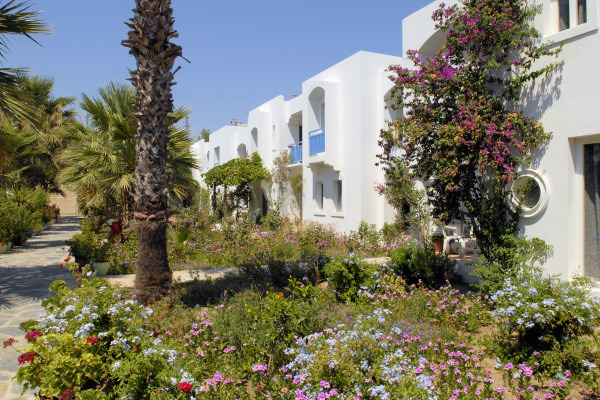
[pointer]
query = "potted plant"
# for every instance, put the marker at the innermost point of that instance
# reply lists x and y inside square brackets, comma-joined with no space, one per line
[80,248]
[100,253]
[437,240]
[4,246]
[6,233]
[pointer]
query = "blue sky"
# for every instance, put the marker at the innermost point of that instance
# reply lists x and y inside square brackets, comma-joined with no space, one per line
[242,52]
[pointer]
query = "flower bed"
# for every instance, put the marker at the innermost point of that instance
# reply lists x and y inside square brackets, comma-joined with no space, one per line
[196,243]
[388,340]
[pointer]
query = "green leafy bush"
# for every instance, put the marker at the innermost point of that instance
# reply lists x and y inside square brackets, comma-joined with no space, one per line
[366,234]
[281,271]
[546,321]
[513,258]
[80,245]
[415,264]
[8,210]
[271,222]
[349,275]
[80,337]
[92,224]
[274,320]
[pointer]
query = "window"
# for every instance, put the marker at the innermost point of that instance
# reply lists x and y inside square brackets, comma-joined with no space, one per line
[318,195]
[337,199]
[255,137]
[563,15]
[217,155]
[581,12]
[322,121]
[571,13]
[242,153]
[529,193]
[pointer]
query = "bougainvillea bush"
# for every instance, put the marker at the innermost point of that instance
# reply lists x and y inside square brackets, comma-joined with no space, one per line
[389,340]
[460,126]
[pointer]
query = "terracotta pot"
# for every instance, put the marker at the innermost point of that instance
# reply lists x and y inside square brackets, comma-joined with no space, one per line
[82,262]
[18,240]
[438,244]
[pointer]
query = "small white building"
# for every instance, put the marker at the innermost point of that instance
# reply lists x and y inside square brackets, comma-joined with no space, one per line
[332,129]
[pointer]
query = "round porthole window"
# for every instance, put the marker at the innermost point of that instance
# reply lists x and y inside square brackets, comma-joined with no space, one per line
[529,191]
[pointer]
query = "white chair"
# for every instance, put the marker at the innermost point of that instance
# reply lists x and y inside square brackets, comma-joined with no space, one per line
[461,234]
[451,233]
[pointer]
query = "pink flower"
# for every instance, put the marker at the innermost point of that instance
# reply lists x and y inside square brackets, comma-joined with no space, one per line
[33,335]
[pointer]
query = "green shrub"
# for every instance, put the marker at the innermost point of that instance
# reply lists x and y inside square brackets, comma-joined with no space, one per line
[274,320]
[391,232]
[270,222]
[80,245]
[514,258]
[8,210]
[281,271]
[83,332]
[349,275]
[415,264]
[546,321]
[92,224]
[365,235]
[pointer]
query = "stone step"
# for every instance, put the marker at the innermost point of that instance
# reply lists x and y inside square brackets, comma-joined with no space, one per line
[66,204]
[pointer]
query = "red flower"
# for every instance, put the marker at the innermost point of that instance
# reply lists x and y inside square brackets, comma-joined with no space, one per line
[67,259]
[92,340]
[185,387]
[68,394]
[33,335]
[60,266]
[9,342]
[26,357]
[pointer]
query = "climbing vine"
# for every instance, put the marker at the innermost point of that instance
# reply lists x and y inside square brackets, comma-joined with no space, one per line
[235,174]
[285,183]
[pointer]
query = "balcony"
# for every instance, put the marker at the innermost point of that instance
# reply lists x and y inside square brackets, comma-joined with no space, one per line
[296,152]
[316,141]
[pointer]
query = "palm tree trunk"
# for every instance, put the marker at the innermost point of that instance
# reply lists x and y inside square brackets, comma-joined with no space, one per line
[151,29]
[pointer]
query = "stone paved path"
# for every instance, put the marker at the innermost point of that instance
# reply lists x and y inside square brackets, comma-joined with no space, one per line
[25,274]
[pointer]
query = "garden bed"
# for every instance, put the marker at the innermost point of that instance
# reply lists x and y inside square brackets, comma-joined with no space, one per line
[241,336]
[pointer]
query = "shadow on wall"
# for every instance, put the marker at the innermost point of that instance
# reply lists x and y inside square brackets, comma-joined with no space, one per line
[537,98]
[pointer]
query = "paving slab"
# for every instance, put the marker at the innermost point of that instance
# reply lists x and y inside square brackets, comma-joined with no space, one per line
[25,273]
[180,276]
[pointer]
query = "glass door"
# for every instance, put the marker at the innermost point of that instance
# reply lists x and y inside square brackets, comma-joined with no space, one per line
[591,203]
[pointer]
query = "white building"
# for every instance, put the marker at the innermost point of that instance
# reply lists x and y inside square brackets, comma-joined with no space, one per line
[332,129]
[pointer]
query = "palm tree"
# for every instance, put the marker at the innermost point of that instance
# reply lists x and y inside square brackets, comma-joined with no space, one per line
[15,19]
[32,145]
[99,162]
[149,42]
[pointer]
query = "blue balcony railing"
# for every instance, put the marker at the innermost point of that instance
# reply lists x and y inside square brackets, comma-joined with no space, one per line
[316,141]
[296,152]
